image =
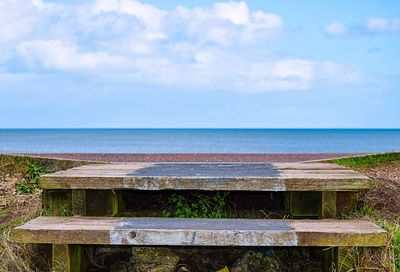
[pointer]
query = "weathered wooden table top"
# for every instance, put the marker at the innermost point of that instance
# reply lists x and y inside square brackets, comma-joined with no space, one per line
[198,232]
[209,176]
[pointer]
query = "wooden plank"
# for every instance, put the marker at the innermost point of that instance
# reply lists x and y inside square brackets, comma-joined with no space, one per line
[317,172]
[221,170]
[200,232]
[315,166]
[140,165]
[113,166]
[208,176]
[207,184]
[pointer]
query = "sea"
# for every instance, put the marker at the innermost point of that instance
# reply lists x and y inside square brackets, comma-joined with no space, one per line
[199,140]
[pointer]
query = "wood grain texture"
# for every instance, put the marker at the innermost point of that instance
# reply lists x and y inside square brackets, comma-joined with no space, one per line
[329,203]
[56,202]
[66,258]
[209,176]
[200,232]
[78,202]
[60,258]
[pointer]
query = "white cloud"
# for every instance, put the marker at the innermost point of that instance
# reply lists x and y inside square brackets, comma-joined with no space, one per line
[288,74]
[15,20]
[54,54]
[237,13]
[296,74]
[228,23]
[331,73]
[372,26]
[42,5]
[127,40]
[151,17]
[381,25]
[336,29]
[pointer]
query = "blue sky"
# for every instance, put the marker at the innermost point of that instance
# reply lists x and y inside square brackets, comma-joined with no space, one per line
[212,64]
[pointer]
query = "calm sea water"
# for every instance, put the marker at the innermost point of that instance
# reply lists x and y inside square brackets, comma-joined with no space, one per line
[198,140]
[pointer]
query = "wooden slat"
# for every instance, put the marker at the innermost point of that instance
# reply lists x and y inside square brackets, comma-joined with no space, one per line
[309,166]
[207,184]
[200,232]
[209,176]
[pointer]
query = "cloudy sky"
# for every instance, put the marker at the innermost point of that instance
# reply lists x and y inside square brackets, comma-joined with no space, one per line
[139,64]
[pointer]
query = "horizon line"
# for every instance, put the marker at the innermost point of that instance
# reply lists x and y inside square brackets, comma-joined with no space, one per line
[197,128]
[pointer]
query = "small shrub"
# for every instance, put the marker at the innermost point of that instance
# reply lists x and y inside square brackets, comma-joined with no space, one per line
[31,180]
[200,206]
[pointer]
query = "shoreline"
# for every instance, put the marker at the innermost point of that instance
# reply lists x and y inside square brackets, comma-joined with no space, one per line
[192,157]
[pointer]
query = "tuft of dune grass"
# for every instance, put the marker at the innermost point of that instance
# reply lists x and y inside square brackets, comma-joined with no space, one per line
[381,204]
[22,257]
[20,209]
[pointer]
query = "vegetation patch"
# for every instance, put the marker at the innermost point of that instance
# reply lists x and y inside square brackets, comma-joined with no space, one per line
[369,160]
[198,206]
[31,180]
[199,259]
[19,202]
[381,204]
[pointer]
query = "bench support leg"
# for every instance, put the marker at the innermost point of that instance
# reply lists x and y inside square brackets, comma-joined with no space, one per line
[67,258]
[329,259]
[78,202]
[345,261]
[337,259]
[328,208]
[56,202]
[346,201]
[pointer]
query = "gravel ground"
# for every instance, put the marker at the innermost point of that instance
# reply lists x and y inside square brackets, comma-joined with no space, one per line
[196,157]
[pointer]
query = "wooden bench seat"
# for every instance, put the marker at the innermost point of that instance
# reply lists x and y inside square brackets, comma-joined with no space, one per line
[200,232]
[209,176]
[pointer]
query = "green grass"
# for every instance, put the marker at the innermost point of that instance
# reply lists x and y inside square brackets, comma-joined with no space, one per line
[368,207]
[30,182]
[3,213]
[369,160]
[392,256]
[201,206]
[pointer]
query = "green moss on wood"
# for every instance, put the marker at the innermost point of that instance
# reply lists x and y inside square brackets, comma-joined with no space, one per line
[67,258]
[56,202]
[328,205]
[101,202]
[78,202]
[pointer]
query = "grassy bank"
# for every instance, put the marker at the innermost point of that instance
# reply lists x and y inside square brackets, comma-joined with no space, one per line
[381,204]
[19,202]
[369,160]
